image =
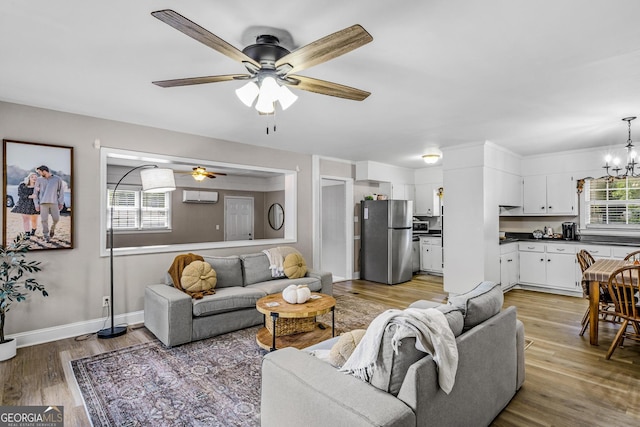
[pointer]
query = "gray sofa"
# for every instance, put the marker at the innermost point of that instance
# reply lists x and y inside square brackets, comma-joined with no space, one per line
[299,388]
[175,318]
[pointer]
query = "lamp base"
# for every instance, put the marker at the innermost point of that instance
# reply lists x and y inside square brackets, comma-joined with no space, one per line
[116,331]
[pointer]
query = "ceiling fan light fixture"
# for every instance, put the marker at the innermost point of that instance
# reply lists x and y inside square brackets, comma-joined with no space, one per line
[264,104]
[199,176]
[286,97]
[248,93]
[270,88]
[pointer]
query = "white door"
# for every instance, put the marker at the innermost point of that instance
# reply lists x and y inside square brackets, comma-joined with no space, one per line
[238,218]
[333,228]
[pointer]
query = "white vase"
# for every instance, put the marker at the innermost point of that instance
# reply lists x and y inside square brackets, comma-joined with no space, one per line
[7,349]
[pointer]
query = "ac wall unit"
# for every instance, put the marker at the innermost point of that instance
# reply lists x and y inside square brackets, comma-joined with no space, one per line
[199,196]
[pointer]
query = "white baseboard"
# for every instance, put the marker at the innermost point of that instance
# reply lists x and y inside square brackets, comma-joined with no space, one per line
[40,336]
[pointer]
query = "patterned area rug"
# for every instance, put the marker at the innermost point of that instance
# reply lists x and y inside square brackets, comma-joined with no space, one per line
[213,382]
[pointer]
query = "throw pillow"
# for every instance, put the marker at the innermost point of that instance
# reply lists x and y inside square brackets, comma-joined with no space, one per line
[198,279]
[479,304]
[294,266]
[341,350]
[391,368]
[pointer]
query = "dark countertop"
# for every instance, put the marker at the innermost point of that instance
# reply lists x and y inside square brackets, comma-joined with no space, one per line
[584,240]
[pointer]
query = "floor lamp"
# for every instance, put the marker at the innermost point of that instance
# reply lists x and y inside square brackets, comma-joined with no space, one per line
[154,180]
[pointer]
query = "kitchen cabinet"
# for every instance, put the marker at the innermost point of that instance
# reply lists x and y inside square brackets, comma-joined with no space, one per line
[550,195]
[509,189]
[427,201]
[431,254]
[403,192]
[532,263]
[509,269]
[561,267]
[415,256]
[549,265]
[620,252]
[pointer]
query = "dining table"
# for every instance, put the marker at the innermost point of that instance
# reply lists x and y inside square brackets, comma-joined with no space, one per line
[597,275]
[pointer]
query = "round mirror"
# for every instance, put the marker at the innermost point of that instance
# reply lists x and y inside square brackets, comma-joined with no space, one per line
[276,216]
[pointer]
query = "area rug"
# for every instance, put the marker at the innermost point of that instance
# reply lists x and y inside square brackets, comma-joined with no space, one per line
[213,382]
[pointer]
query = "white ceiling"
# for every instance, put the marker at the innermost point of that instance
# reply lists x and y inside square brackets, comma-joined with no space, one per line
[532,76]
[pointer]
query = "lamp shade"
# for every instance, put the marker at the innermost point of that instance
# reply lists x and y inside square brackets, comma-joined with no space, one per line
[248,93]
[269,92]
[286,97]
[157,180]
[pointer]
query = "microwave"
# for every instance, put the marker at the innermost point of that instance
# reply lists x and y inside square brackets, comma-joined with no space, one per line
[421,227]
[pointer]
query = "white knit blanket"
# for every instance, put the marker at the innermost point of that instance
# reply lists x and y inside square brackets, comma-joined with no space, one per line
[433,336]
[276,258]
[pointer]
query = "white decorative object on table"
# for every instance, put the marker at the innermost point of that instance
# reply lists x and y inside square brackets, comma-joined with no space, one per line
[296,294]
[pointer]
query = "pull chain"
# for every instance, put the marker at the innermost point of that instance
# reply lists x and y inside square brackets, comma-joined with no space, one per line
[274,121]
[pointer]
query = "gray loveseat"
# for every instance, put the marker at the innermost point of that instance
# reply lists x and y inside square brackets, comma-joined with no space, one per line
[175,318]
[299,388]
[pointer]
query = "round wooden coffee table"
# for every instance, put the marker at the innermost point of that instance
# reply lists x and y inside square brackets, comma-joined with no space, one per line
[294,325]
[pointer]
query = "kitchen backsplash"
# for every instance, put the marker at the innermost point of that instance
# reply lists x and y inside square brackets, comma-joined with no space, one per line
[528,224]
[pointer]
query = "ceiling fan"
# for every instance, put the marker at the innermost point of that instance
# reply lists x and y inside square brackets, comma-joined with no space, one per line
[199,173]
[270,65]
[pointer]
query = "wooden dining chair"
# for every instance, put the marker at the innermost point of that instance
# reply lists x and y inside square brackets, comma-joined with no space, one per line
[633,256]
[623,288]
[606,309]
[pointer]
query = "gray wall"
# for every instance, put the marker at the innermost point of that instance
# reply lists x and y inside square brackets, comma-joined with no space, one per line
[196,222]
[77,278]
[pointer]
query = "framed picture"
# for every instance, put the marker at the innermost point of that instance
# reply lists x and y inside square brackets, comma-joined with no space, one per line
[38,194]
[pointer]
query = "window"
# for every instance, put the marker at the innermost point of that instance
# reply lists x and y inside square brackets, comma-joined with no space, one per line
[134,210]
[613,203]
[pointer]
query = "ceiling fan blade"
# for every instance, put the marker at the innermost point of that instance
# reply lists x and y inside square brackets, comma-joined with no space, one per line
[328,88]
[217,173]
[326,48]
[198,33]
[200,80]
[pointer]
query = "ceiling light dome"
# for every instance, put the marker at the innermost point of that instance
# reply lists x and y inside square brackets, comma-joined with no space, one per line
[432,156]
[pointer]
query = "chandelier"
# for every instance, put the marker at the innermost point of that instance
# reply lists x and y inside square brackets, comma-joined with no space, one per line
[613,163]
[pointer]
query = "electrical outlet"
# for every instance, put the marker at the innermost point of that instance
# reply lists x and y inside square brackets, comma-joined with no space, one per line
[106,301]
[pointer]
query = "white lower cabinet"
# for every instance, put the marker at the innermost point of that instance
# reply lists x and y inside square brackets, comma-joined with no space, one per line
[509,270]
[431,254]
[549,265]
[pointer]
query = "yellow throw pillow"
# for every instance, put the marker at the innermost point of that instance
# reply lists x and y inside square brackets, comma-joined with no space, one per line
[342,349]
[294,266]
[198,279]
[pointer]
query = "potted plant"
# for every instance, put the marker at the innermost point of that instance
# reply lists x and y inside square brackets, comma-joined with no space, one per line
[14,284]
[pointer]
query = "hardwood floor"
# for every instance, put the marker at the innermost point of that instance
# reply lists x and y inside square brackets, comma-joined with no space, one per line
[568,382]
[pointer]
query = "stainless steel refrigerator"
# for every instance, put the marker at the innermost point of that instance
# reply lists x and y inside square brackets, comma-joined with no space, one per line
[385,241]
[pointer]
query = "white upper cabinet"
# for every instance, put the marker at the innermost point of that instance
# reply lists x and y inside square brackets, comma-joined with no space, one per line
[550,195]
[511,190]
[402,191]
[427,201]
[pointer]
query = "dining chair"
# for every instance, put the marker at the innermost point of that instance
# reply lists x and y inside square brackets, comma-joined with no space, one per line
[623,288]
[606,309]
[633,256]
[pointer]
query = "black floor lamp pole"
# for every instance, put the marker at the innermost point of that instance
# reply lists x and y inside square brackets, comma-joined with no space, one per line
[115,331]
